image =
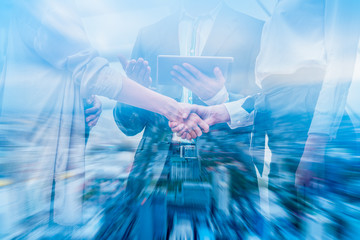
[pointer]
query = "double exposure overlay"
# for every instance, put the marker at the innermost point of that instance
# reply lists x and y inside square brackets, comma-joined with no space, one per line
[187,119]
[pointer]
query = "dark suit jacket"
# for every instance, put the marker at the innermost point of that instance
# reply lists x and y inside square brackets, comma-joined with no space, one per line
[234,34]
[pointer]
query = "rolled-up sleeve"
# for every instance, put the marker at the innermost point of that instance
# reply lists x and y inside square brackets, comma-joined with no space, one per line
[56,33]
[94,75]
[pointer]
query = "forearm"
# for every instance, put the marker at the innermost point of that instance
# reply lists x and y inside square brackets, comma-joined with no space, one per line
[219,114]
[136,95]
[96,77]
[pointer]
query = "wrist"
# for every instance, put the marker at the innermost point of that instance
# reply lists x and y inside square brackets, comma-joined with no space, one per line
[170,109]
[209,95]
[221,115]
[221,96]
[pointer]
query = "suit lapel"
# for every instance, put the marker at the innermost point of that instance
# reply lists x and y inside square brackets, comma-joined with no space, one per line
[170,35]
[222,29]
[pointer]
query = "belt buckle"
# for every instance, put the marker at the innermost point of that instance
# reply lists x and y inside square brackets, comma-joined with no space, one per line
[188,151]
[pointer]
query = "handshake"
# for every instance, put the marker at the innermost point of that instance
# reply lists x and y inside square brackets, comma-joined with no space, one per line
[188,121]
[197,119]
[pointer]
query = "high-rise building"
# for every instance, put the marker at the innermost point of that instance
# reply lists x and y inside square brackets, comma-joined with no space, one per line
[221,193]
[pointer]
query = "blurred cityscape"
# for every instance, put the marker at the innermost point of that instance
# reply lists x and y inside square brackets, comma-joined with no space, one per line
[189,197]
[192,200]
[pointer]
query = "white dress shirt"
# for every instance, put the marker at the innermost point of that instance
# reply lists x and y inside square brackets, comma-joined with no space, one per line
[203,26]
[292,39]
[239,117]
[51,67]
[286,46]
[306,34]
[342,40]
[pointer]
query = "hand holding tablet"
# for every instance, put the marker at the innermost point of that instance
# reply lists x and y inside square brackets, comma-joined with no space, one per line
[193,79]
[205,76]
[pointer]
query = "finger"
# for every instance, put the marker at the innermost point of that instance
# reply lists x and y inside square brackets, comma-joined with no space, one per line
[218,74]
[191,125]
[179,78]
[95,109]
[188,136]
[90,100]
[187,75]
[191,135]
[197,131]
[147,76]
[193,70]
[147,73]
[199,122]
[179,129]
[93,122]
[183,135]
[91,117]
[130,67]
[204,126]
[173,124]
[96,113]
[143,71]
[123,61]
[138,66]
[182,129]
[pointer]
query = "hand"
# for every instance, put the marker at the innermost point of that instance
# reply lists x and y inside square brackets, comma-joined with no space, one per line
[139,70]
[210,115]
[203,86]
[93,109]
[312,158]
[192,124]
[192,127]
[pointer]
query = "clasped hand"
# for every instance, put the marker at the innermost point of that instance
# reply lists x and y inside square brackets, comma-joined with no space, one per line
[199,120]
[187,121]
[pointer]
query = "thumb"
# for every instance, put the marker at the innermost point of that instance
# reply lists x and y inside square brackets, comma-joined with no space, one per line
[209,121]
[186,109]
[90,100]
[199,110]
[219,76]
[123,61]
[185,113]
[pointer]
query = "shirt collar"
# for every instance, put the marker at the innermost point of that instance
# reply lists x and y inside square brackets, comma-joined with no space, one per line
[212,14]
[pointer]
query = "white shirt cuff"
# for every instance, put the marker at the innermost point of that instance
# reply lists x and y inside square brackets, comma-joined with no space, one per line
[219,98]
[239,117]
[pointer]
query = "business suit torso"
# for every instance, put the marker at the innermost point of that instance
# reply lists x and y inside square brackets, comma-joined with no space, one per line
[233,34]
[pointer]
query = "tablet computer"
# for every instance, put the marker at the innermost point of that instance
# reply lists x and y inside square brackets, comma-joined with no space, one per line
[205,64]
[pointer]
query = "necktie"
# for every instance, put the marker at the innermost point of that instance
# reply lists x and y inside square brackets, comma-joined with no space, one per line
[193,51]
[187,96]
